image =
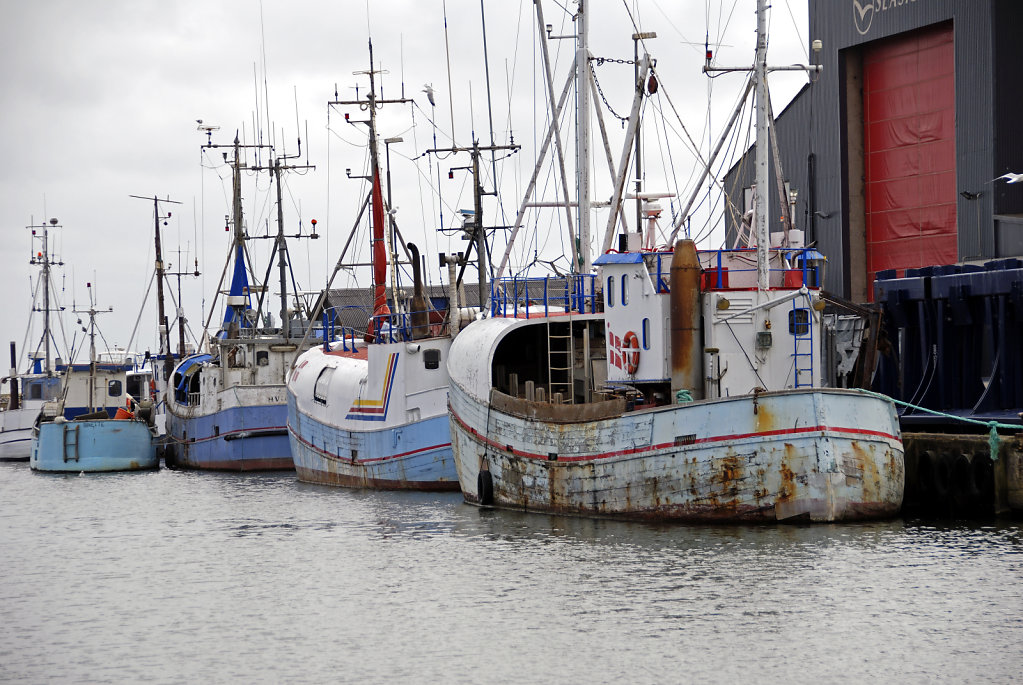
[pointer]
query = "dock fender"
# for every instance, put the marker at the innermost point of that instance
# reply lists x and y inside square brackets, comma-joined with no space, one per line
[485,487]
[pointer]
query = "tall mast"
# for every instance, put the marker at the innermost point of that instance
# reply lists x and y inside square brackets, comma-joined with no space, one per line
[162,323]
[282,253]
[582,89]
[46,292]
[378,249]
[760,201]
[762,149]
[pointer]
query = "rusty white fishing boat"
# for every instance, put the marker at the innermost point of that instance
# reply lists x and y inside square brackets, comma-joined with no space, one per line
[693,392]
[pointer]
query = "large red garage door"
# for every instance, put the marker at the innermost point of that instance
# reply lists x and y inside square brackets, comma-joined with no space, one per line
[909,150]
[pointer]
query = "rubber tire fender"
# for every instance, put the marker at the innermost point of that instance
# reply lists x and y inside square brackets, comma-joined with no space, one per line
[485,488]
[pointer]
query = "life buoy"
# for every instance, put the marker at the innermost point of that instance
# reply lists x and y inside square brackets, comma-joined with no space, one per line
[631,342]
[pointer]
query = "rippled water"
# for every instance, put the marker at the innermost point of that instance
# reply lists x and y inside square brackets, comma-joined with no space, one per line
[173,576]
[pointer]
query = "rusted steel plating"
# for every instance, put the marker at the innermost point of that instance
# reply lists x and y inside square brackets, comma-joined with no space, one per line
[686,352]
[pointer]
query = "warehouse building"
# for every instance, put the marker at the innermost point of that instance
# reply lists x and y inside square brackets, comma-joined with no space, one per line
[891,150]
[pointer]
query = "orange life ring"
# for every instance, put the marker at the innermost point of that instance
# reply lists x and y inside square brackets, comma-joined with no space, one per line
[631,342]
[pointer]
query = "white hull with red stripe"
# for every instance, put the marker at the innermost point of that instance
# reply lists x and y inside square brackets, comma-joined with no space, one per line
[592,414]
[792,455]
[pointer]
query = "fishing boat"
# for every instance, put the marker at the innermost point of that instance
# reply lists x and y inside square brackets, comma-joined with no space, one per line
[372,412]
[692,390]
[226,405]
[115,433]
[40,382]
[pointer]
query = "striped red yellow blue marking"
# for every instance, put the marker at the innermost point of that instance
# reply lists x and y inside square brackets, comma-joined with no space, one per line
[376,409]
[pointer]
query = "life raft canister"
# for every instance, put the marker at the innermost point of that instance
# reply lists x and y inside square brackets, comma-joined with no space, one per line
[631,342]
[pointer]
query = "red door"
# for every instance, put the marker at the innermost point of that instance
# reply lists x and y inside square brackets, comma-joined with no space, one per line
[909,150]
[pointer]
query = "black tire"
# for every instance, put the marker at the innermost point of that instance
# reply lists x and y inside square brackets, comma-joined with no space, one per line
[485,488]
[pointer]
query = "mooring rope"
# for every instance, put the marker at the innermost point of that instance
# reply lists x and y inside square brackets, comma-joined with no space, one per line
[993,440]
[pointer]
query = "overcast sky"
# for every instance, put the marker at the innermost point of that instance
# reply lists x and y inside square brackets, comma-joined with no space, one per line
[100,101]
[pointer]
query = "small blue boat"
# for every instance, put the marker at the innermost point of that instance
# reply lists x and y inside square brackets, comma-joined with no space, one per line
[94,444]
[96,441]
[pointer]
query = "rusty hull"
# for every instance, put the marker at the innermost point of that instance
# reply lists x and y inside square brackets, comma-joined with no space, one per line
[793,460]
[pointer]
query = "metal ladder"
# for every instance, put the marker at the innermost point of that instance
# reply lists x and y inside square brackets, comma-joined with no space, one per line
[561,360]
[802,345]
[70,442]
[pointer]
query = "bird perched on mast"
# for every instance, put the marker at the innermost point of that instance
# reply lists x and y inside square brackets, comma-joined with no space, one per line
[428,89]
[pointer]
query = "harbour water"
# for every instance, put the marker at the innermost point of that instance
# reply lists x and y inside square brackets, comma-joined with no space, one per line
[175,577]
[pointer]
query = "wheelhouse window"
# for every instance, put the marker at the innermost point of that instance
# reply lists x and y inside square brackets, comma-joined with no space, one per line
[262,358]
[610,291]
[322,385]
[625,289]
[114,388]
[646,333]
[799,322]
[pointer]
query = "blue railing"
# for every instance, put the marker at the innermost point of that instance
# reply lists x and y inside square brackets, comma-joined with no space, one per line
[334,331]
[803,271]
[520,296]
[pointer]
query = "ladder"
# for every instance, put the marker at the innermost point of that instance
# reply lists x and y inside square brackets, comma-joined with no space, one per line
[801,328]
[70,442]
[561,360]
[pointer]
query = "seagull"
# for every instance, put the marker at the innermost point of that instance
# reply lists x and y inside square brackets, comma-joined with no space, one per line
[428,89]
[1010,177]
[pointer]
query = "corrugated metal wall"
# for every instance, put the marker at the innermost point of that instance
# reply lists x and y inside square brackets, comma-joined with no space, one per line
[822,109]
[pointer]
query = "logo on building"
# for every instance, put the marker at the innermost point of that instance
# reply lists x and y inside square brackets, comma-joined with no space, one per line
[863,15]
[864,11]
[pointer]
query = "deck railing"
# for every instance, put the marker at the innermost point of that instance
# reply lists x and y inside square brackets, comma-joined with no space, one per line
[520,296]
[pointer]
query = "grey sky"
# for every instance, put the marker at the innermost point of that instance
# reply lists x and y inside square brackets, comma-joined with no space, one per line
[100,101]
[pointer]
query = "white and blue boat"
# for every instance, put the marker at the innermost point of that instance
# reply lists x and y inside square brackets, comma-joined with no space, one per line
[372,413]
[40,382]
[26,396]
[226,406]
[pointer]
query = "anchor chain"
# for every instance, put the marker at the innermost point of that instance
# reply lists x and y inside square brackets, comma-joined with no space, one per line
[598,61]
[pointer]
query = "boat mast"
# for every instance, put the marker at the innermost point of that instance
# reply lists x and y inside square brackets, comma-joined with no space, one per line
[582,89]
[378,249]
[46,293]
[762,149]
[162,324]
[92,312]
[282,254]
